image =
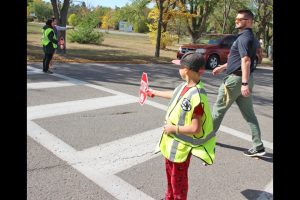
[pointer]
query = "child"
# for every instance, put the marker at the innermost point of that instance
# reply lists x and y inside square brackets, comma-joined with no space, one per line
[188,125]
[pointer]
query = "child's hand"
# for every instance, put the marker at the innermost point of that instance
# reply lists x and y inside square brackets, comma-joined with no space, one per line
[150,92]
[169,128]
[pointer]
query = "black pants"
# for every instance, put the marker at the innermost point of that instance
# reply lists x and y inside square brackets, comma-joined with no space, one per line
[46,61]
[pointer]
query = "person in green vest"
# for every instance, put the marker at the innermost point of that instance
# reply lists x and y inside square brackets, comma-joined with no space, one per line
[49,42]
[56,29]
[188,128]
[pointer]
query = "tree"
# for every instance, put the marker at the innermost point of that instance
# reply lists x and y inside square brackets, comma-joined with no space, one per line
[79,9]
[61,13]
[73,20]
[264,19]
[100,12]
[227,7]
[105,22]
[41,10]
[159,28]
[222,19]
[160,16]
[166,38]
[136,14]
[199,11]
[29,2]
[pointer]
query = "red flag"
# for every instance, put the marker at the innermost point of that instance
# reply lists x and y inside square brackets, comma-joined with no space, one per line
[143,88]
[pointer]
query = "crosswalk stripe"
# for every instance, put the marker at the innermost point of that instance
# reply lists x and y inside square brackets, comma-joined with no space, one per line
[135,149]
[52,143]
[43,85]
[114,185]
[244,136]
[55,109]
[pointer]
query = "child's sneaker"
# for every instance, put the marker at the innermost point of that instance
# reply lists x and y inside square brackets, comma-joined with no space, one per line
[253,152]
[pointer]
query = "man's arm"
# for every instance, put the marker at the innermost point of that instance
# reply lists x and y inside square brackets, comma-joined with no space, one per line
[219,69]
[245,62]
[245,66]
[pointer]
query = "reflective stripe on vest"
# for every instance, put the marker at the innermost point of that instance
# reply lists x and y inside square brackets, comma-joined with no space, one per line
[183,113]
[45,39]
[195,141]
[173,150]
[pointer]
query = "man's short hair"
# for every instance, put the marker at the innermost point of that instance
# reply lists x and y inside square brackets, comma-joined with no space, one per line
[247,13]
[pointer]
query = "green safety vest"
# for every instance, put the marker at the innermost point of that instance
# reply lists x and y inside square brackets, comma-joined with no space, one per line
[45,39]
[176,147]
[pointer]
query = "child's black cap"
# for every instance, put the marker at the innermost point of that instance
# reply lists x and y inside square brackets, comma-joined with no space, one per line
[194,61]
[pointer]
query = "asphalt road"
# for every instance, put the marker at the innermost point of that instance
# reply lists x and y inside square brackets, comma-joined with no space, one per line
[89,138]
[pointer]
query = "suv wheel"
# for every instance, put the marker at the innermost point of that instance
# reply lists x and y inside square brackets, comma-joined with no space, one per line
[212,62]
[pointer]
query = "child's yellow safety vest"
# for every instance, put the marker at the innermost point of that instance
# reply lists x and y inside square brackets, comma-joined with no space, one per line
[176,147]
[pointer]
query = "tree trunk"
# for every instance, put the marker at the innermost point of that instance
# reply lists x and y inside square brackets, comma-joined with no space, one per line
[179,31]
[226,14]
[264,16]
[61,17]
[159,29]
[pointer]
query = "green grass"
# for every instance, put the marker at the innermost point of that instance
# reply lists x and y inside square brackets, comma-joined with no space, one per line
[34,28]
[114,48]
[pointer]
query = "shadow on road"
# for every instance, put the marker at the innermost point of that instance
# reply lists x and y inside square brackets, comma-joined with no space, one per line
[160,76]
[255,194]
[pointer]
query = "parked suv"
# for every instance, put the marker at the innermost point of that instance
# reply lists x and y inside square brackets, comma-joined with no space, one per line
[215,48]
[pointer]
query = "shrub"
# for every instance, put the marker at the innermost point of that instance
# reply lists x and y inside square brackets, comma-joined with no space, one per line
[84,33]
[73,20]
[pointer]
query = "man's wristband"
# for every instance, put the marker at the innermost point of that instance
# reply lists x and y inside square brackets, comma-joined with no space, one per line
[244,83]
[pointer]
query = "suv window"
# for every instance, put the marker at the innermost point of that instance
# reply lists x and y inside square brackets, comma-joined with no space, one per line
[209,39]
[228,41]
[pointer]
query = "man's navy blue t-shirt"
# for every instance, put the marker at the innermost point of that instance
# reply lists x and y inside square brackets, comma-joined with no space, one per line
[244,45]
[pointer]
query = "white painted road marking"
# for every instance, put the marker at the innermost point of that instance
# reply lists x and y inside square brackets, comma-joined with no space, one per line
[244,136]
[42,85]
[135,149]
[49,110]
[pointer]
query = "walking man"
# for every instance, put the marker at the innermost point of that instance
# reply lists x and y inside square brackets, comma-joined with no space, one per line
[238,83]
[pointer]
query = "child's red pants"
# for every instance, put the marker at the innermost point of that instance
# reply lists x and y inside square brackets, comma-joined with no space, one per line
[177,175]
